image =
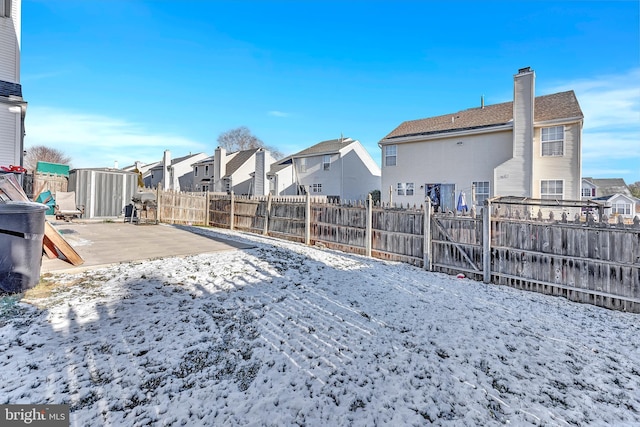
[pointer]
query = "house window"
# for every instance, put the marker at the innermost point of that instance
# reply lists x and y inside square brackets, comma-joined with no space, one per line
[326,162]
[480,191]
[390,155]
[205,188]
[409,188]
[588,192]
[316,188]
[206,170]
[551,189]
[553,141]
[401,189]
[621,208]
[195,171]
[303,165]
[5,8]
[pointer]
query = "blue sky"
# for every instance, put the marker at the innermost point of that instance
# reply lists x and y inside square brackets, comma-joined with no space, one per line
[123,80]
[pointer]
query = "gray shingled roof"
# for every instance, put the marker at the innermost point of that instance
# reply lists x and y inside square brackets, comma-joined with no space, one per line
[549,107]
[280,164]
[325,147]
[238,160]
[609,186]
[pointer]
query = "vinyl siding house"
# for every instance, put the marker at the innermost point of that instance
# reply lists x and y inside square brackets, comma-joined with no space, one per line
[614,193]
[143,168]
[530,147]
[243,172]
[13,108]
[598,187]
[619,205]
[174,174]
[203,175]
[338,168]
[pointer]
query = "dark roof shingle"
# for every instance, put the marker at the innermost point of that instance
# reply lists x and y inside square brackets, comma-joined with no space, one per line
[556,106]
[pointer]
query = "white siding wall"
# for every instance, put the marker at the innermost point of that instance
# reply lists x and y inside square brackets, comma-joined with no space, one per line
[10,45]
[566,167]
[358,179]
[241,178]
[444,161]
[9,136]
[284,182]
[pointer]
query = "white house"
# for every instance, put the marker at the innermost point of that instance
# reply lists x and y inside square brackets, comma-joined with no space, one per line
[598,187]
[338,168]
[12,106]
[174,174]
[619,205]
[203,175]
[243,172]
[530,147]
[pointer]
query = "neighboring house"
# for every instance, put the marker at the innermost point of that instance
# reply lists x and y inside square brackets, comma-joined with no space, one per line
[619,205]
[143,168]
[203,175]
[338,168]
[592,188]
[243,172]
[174,174]
[530,147]
[12,106]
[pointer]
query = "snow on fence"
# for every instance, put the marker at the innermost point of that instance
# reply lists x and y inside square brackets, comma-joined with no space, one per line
[582,260]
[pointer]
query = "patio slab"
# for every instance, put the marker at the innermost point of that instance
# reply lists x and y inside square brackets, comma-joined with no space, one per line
[107,243]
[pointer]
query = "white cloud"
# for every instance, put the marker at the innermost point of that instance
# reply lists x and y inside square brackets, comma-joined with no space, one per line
[93,140]
[278,114]
[611,134]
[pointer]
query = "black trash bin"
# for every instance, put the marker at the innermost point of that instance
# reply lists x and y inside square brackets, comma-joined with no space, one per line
[21,234]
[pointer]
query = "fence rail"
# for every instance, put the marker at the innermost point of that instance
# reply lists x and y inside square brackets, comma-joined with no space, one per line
[590,262]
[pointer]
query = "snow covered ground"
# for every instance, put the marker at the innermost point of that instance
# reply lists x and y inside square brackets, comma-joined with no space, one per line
[285,334]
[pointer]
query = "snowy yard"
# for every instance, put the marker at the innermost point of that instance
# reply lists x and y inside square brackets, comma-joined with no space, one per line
[285,334]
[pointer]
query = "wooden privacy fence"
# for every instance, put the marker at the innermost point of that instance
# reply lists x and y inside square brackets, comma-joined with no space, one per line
[584,261]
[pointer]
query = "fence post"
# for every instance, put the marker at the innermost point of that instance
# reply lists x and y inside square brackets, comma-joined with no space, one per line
[206,207]
[232,213]
[369,231]
[486,242]
[158,202]
[307,220]
[426,240]
[265,231]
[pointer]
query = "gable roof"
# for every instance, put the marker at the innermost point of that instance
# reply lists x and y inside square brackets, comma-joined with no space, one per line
[616,195]
[177,160]
[609,186]
[238,160]
[325,147]
[562,105]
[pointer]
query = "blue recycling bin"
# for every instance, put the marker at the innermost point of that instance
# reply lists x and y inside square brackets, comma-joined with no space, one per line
[21,235]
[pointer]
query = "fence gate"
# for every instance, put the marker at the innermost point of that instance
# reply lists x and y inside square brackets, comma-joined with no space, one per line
[456,245]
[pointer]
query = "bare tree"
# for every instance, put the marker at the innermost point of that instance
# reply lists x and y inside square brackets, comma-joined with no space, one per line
[241,138]
[635,189]
[40,153]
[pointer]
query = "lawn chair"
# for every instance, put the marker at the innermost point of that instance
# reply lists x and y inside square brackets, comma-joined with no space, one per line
[66,207]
